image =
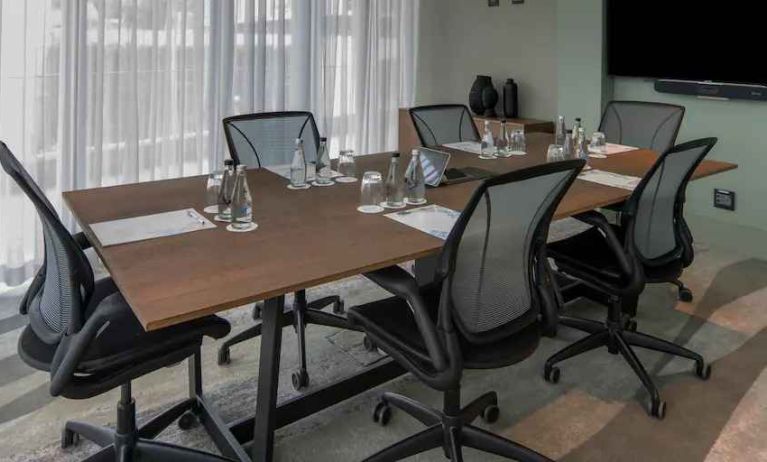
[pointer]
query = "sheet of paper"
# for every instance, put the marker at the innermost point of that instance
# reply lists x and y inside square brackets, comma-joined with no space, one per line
[150,226]
[284,171]
[432,219]
[612,148]
[615,180]
[473,147]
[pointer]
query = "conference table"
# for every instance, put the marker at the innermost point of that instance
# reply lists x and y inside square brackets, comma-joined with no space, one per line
[304,239]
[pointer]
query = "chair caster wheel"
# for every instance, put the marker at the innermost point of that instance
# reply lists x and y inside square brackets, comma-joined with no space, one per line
[703,371]
[658,409]
[187,421]
[69,439]
[338,307]
[224,357]
[685,295]
[300,380]
[491,413]
[256,312]
[551,374]
[382,413]
[369,344]
[631,325]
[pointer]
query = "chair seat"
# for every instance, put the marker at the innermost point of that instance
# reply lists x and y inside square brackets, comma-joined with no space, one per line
[124,342]
[587,253]
[393,317]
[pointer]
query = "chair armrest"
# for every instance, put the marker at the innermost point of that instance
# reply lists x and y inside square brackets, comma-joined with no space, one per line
[401,284]
[72,346]
[599,221]
[82,240]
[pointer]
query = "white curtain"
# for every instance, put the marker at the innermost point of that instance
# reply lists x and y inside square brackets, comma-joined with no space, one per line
[104,92]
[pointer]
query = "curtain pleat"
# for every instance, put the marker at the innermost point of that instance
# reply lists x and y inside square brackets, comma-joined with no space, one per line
[105,92]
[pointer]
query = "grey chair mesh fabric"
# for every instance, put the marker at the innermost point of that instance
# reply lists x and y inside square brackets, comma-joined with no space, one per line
[443,124]
[57,307]
[266,139]
[492,283]
[642,124]
[655,233]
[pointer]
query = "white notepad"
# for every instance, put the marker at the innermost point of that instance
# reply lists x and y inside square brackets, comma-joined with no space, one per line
[616,180]
[473,147]
[612,148]
[150,226]
[431,219]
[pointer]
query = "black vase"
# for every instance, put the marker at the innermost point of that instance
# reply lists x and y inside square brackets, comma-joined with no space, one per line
[476,102]
[489,100]
[510,100]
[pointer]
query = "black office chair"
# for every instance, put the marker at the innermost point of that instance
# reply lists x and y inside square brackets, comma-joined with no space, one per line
[652,244]
[642,124]
[443,124]
[490,304]
[84,333]
[263,140]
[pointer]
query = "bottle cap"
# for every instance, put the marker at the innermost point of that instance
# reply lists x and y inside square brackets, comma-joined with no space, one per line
[577,119]
[415,152]
[228,162]
[323,139]
[395,154]
[241,168]
[503,121]
[299,141]
[569,131]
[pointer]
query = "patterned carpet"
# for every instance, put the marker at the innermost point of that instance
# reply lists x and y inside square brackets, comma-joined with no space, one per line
[595,413]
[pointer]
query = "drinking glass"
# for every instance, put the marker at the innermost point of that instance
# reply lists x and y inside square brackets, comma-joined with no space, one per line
[371,193]
[555,153]
[518,145]
[346,167]
[598,145]
[212,190]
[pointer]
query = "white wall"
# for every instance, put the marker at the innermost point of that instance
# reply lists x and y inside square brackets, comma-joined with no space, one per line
[459,39]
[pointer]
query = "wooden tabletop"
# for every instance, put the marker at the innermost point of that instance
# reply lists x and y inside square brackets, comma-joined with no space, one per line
[304,238]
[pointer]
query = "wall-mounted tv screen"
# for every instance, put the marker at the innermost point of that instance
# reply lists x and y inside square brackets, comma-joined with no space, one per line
[688,40]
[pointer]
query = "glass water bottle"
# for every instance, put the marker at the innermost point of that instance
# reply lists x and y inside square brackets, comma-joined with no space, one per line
[394,185]
[415,183]
[298,167]
[561,132]
[242,202]
[324,172]
[503,141]
[567,146]
[225,193]
[488,144]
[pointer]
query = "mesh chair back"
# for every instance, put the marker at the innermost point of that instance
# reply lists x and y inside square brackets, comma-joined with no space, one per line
[491,252]
[266,139]
[642,124]
[57,308]
[444,123]
[656,206]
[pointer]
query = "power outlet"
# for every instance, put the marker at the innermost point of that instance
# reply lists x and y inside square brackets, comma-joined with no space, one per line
[724,199]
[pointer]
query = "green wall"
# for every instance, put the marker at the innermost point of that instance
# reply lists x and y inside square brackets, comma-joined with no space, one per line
[584,88]
[580,70]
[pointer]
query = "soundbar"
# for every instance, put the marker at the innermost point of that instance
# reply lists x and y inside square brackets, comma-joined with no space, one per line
[712,90]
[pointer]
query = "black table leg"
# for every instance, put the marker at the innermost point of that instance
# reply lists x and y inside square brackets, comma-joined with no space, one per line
[268,375]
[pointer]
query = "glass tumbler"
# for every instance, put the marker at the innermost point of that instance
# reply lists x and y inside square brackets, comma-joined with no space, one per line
[371,193]
[346,167]
[598,145]
[518,145]
[555,153]
[212,190]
